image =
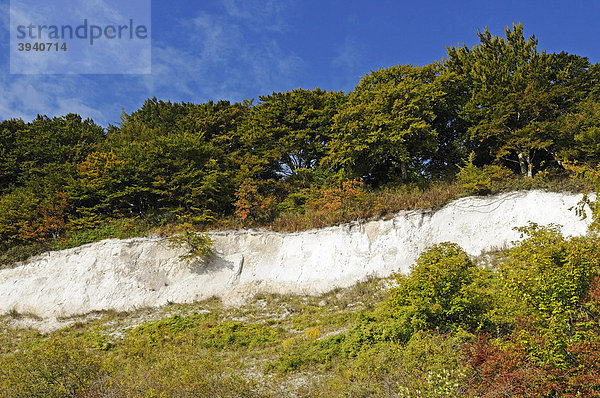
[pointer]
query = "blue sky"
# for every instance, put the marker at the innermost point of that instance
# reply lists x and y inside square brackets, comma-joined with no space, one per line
[234,49]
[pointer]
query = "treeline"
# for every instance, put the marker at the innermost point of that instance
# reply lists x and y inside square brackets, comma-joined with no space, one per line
[502,103]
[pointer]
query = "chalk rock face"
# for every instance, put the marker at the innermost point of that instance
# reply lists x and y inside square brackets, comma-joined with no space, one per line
[134,273]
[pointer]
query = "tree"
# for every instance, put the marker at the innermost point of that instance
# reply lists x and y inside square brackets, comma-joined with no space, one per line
[165,158]
[386,127]
[288,132]
[517,95]
[580,132]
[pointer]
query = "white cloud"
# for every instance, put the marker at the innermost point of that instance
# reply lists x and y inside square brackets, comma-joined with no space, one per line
[27,96]
[227,55]
[265,15]
[104,56]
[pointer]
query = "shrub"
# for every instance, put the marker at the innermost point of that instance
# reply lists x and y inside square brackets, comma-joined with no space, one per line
[481,181]
[338,202]
[553,277]
[429,365]
[473,179]
[440,292]
[198,245]
[254,204]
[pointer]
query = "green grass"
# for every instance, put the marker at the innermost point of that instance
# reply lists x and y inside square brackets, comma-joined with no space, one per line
[274,346]
[267,347]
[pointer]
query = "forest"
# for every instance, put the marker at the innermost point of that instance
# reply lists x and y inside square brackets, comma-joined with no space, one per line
[501,115]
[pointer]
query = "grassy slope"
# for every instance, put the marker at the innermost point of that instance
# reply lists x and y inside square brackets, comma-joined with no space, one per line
[273,346]
[264,348]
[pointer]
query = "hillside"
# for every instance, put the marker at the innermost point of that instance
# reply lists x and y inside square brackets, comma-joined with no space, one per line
[459,324]
[419,236]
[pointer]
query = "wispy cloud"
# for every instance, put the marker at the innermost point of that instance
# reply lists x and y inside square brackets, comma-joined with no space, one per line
[97,96]
[348,58]
[228,53]
[265,15]
[26,96]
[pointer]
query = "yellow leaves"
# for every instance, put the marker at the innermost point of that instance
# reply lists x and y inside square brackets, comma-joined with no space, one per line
[98,167]
[313,333]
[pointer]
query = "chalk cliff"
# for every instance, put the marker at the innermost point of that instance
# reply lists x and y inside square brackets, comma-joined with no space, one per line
[141,272]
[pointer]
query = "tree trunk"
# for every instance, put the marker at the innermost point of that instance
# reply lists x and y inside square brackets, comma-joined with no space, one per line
[525,164]
[403,171]
[522,163]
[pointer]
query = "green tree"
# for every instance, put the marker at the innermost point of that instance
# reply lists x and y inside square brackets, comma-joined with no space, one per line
[288,132]
[518,93]
[386,129]
[580,131]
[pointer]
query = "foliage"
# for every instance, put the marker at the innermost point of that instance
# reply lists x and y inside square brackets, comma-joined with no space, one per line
[58,367]
[517,96]
[441,293]
[254,203]
[473,179]
[591,175]
[289,132]
[385,127]
[198,245]
[553,276]
[307,158]
[480,181]
[338,201]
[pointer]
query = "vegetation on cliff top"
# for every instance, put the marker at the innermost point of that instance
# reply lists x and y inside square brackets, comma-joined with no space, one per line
[484,116]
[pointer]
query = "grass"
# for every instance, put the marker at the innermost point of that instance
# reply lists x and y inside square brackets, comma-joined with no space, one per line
[195,350]
[387,201]
[274,346]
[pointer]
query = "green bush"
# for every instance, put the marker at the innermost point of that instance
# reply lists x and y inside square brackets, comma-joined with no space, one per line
[440,293]
[198,245]
[552,276]
[481,181]
[473,179]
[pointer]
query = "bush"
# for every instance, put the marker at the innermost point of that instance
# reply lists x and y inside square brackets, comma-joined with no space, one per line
[440,293]
[254,203]
[553,277]
[429,365]
[481,181]
[198,245]
[473,179]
